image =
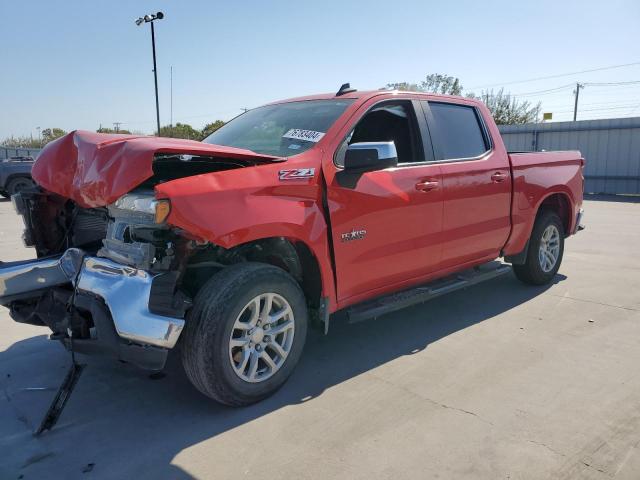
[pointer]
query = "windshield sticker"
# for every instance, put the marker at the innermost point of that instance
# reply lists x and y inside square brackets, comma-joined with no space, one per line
[295,146]
[306,135]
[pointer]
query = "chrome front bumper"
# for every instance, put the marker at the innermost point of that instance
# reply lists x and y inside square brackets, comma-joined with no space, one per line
[20,278]
[125,291]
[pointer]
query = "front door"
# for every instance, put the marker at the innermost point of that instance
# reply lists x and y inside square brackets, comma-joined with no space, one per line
[386,227]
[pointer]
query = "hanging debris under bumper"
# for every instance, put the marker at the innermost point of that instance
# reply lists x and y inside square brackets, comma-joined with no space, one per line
[114,306]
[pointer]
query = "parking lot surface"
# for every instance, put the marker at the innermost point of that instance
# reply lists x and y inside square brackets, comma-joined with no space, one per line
[501,380]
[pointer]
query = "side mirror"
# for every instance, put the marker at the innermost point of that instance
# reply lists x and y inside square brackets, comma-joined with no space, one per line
[369,156]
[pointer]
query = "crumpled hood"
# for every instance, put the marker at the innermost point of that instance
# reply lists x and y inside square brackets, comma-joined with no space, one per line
[94,169]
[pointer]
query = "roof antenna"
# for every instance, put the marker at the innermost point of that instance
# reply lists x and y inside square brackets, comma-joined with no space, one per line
[345,88]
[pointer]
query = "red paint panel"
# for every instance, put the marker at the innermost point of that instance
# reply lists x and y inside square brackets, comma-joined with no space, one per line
[403,228]
[232,207]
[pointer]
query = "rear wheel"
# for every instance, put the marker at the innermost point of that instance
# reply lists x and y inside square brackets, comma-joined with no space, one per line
[245,333]
[546,247]
[18,184]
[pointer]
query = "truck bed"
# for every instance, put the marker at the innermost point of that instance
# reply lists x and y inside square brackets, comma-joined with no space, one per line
[538,177]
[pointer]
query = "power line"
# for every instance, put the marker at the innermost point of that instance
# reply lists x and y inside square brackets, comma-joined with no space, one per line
[614,102]
[552,91]
[598,84]
[558,75]
[188,117]
[599,109]
[540,92]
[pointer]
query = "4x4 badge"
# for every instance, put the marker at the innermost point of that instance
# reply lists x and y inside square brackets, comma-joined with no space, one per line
[296,173]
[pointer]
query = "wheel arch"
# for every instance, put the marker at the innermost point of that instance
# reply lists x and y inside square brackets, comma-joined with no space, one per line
[560,203]
[555,200]
[292,255]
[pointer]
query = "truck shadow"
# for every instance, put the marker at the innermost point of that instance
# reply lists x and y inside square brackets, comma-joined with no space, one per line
[604,197]
[123,423]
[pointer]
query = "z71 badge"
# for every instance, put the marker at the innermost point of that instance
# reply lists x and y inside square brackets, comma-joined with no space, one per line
[353,235]
[296,173]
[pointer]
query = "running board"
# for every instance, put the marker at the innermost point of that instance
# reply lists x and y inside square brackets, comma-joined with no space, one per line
[398,301]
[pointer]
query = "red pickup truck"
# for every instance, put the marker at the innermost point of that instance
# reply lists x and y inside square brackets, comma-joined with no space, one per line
[228,248]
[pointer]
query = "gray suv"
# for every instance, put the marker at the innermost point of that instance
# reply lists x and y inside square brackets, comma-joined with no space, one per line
[15,175]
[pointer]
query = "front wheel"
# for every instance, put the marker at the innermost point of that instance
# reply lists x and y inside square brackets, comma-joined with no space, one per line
[546,247]
[245,333]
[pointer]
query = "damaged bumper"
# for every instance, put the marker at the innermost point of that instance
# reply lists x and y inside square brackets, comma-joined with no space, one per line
[120,299]
[27,277]
[126,292]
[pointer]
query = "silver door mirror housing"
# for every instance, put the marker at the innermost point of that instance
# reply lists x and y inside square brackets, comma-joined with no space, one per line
[369,156]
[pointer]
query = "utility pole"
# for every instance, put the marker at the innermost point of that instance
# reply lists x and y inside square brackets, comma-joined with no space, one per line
[116,126]
[244,109]
[577,93]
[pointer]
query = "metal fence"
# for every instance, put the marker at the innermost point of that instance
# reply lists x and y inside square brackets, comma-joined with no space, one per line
[610,147]
[8,152]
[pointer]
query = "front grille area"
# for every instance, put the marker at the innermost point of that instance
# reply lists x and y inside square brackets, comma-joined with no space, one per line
[89,226]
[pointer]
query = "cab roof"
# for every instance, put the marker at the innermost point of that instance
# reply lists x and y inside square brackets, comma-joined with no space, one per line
[366,95]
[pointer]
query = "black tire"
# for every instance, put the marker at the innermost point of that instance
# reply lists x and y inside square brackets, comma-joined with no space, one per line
[18,184]
[532,271]
[205,340]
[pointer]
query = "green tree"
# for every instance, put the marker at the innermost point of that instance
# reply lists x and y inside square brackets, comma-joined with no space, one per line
[112,130]
[507,109]
[180,130]
[50,134]
[209,128]
[405,86]
[434,83]
[443,84]
[20,142]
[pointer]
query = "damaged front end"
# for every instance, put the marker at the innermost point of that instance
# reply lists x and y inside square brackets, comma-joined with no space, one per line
[106,277]
[110,273]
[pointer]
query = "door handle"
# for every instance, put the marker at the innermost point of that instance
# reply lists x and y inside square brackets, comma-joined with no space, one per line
[427,185]
[498,177]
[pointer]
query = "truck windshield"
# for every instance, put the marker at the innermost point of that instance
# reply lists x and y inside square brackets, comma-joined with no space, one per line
[282,130]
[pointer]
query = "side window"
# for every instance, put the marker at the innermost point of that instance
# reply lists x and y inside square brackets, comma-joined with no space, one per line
[389,121]
[458,131]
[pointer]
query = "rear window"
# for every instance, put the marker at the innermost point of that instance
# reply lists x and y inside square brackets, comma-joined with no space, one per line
[458,130]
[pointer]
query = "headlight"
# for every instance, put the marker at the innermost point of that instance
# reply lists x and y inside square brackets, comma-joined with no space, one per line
[145,204]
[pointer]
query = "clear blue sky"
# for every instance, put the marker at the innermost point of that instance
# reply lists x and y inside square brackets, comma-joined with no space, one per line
[78,63]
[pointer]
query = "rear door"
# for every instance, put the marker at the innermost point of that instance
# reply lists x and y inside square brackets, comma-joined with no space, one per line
[386,225]
[476,181]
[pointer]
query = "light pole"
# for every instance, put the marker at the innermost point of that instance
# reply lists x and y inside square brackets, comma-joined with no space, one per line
[150,19]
